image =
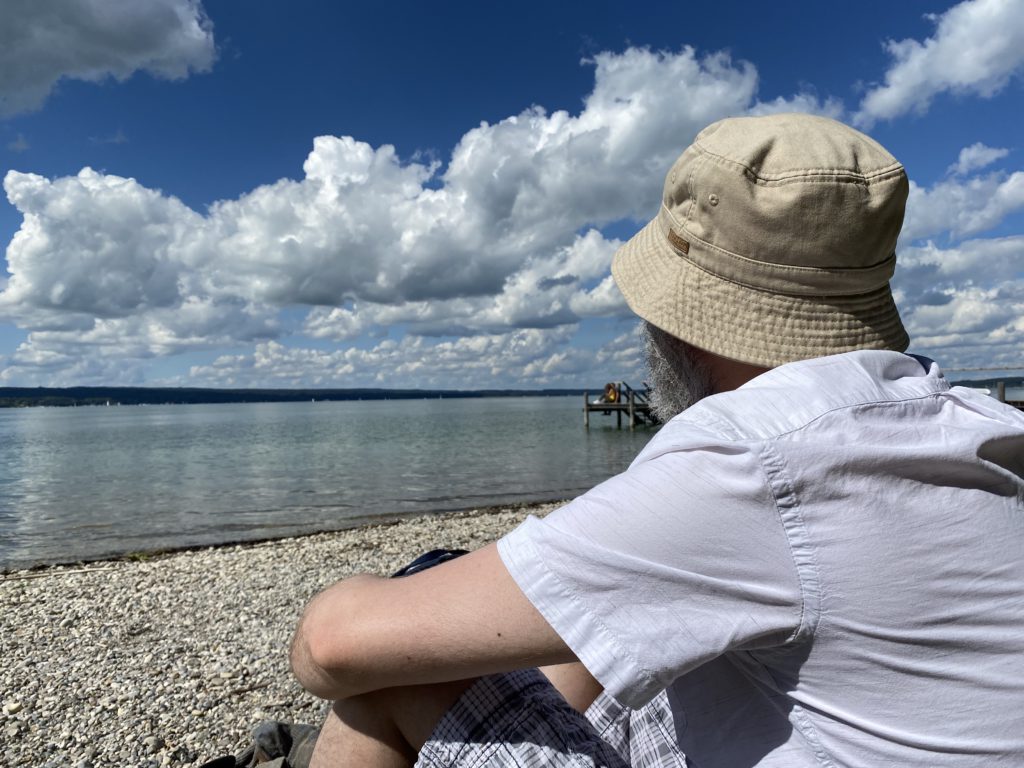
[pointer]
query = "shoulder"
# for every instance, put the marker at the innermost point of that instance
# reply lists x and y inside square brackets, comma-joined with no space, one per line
[793,397]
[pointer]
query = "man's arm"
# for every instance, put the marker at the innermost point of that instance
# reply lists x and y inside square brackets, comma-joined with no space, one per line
[463,619]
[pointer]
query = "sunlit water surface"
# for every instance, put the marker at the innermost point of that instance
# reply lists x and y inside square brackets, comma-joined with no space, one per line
[80,483]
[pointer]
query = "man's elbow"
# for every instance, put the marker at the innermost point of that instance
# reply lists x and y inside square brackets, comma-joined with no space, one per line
[308,665]
[323,650]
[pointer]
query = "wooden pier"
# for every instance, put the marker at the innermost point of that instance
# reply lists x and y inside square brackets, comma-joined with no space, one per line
[621,399]
[1001,396]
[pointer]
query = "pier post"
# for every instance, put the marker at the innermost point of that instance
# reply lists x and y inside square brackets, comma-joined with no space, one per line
[1001,391]
[632,411]
[586,410]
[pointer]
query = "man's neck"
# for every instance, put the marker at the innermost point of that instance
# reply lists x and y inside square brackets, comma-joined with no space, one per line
[727,374]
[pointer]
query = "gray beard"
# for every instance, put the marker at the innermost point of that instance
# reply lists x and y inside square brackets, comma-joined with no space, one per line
[677,377]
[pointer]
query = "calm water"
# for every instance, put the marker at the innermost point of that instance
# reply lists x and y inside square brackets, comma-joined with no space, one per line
[81,483]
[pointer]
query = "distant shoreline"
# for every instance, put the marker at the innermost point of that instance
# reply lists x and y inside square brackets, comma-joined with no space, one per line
[66,397]
[69,397]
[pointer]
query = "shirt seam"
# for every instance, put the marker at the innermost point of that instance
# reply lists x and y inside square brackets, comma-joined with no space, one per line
[809,576]
[780,485]
[727,430]
[862,404]
[811,734]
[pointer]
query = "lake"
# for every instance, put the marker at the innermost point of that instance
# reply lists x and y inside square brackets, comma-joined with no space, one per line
[82,483]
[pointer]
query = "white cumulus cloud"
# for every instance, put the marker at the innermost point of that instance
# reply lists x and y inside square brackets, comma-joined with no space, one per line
[527,358]
[94,244]
[808,103]
[975,157]
[977,48]
[962,296]
[978,327]
[962,206]
[963,303]
[505,236]
[473,271]
[43,41]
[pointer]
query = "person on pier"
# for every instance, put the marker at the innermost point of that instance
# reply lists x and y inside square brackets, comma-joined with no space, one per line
[817,561]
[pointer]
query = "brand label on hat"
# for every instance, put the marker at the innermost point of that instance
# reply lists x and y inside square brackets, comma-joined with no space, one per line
[677,242]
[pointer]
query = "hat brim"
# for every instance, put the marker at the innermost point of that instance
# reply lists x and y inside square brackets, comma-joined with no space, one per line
[742,323]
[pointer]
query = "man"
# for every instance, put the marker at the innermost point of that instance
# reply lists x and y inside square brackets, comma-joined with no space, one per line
[819,564]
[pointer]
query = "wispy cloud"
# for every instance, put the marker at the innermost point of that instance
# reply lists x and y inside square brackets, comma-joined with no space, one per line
[19,144]
[43,41]
[975,157]
[117,137]
[977,48]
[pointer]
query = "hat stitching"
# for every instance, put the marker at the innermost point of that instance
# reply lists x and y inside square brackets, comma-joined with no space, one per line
[689,188]
[849,300]
[811,325]
[822,336]
[822,179]
[774,266]
[894,168]
[812,299]
[768,266]
[816,340]
[830,175]
[771,264]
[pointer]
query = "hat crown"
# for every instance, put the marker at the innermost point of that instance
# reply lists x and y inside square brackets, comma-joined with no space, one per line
[790,189]
[774,242]
[779,145]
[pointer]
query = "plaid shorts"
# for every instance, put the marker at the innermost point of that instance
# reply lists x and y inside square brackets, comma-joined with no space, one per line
[518,720]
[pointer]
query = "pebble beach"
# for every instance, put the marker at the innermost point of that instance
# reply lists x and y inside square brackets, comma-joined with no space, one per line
[171,659]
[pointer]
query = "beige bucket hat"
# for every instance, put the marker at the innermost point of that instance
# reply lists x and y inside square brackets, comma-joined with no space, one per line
[775,242]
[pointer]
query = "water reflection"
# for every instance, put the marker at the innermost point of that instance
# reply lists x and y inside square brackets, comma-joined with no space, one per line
[84,482]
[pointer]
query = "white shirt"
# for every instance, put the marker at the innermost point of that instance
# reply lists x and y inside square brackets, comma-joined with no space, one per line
[824,567]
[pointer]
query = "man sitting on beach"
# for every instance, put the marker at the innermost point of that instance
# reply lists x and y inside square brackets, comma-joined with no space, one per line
[819,563]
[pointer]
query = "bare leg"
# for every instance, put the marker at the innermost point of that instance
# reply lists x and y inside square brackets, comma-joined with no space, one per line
[353,735]
[385,728]
[575,683]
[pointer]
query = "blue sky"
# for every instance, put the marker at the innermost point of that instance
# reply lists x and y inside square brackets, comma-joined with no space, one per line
[323,194]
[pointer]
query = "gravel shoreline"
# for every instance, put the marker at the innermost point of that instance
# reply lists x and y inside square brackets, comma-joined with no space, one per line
[171,660]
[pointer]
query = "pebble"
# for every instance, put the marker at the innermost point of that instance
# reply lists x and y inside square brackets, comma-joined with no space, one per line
[12,707]
[174,659]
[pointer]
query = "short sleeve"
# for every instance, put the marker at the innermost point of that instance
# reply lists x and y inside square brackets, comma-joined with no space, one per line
[676,561]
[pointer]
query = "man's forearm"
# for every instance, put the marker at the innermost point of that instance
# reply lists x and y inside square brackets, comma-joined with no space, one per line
[463,619]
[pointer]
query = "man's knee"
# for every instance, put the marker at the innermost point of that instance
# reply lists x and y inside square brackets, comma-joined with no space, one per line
[398,721]
[361,731]
[416,710]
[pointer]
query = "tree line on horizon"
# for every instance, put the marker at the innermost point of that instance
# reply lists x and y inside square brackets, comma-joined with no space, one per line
[24,397]
[63,397]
